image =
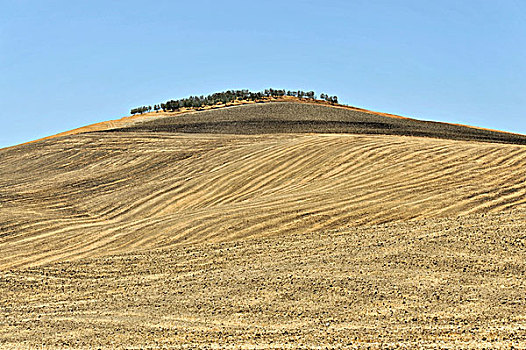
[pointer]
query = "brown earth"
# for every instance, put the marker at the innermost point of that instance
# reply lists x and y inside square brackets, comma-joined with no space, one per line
[130,121]
[150,237]
[293,117]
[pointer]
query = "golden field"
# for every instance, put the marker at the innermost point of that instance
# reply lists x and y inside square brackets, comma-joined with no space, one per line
[222,230]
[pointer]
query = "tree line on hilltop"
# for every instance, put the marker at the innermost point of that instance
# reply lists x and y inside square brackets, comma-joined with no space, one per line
[230,96]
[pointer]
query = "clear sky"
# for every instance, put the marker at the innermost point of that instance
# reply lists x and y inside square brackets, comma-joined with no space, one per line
[65,64]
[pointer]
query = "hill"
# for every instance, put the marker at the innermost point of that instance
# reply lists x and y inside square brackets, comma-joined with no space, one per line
[274,225]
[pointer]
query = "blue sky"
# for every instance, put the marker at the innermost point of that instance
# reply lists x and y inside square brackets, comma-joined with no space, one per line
[65,64]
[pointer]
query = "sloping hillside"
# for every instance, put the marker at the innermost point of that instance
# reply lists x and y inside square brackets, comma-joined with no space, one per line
[110,192]
[264,226]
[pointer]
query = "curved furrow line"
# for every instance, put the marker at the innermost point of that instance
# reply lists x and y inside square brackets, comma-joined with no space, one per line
[288,168]
[115,213]
[284,215]
[257,165]
[364,169]
[231,180]
[431,184]
[199,194]
[500,199]
[415,173]
[271,222]
[66,242]
[507,158]
[339,175]
[385,194]
[287,175]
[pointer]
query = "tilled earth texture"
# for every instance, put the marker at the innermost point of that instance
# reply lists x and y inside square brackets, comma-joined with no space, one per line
[159,236]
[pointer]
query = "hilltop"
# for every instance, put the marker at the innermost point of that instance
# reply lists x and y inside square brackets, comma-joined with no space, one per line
[310,117]
[297,115]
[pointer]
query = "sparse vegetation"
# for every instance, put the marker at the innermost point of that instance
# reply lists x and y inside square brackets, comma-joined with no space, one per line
[229,96]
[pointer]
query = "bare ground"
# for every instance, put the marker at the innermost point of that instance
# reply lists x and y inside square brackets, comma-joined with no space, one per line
[155,238]
[294,117]
[96,194]
[443,283]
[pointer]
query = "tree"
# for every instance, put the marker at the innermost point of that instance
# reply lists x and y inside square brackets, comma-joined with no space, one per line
[225,97]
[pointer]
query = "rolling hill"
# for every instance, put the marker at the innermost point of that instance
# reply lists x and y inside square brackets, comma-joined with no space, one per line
[280,224]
